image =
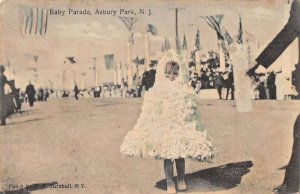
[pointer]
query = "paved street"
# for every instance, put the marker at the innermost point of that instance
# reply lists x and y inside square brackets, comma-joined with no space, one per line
[73,142]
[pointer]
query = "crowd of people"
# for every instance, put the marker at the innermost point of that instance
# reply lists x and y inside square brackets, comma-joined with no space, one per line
[210,76]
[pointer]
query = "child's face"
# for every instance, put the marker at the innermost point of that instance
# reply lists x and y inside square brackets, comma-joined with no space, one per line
[171,72]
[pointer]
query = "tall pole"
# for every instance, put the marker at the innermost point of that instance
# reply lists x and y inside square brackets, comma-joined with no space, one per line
[177,34]
[129,63]
[95,73]
[147,51]
[63,79]
[177,39]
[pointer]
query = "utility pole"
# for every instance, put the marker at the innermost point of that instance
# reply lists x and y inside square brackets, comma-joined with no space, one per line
[177,39]
[95,73]
[64,80]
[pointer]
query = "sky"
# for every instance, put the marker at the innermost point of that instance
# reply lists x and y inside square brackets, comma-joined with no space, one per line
[91,36]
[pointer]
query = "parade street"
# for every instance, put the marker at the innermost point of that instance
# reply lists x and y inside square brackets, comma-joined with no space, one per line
[69,146]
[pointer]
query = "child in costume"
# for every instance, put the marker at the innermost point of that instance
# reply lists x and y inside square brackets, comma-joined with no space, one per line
[169,125]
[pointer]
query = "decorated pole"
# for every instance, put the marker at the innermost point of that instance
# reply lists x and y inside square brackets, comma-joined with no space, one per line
[147,51]
[130,25]
[221,57]
[129,66]
[115,74]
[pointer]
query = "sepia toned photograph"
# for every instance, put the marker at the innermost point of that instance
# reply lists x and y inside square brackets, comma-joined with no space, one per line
[149,97]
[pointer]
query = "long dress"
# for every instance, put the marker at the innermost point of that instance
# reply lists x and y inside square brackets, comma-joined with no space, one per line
[169,125]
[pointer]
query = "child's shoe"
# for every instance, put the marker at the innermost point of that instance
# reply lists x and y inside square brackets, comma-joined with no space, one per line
[171,189]
[181,185]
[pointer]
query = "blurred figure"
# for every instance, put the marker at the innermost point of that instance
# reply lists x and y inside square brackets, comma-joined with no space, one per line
[230,83]
[30,91]
[195,82]
[40,94]
[219,83]
[46,95]
[284,38]
[13,101]
[3,81]
[76,91]
[271,85]
[148,78]
[261,91]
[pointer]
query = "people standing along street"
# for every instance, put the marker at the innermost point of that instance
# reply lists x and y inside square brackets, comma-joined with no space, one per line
[285,37]
[30,91]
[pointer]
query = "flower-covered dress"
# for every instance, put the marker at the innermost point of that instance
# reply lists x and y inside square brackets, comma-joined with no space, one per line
[169,125]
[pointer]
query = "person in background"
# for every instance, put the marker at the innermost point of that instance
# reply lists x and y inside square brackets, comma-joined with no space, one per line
[76,91]
[148,78]
[30,91]
[271,85]
[284,38]
[195,82]
[3,81]
[230,83]
[262,92]
[46,95]
[219,83]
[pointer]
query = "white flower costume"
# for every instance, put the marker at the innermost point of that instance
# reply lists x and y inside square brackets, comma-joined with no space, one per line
[169,125]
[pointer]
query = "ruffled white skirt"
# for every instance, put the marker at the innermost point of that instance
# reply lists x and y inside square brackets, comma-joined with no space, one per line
[169,127]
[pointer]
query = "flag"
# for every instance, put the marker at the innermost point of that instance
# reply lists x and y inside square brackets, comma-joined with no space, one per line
[240,33]
[33,20]
[227,37]
[109,61]
[184,44]
[197,40]
[167,44]
[26,19]
[193,56]
[45,20]
[35,58]
[138,61]
[152,29]
[214,22]
[162,48]
[154,62]
[39,22]
[71,60]
[178,45]
[130,25]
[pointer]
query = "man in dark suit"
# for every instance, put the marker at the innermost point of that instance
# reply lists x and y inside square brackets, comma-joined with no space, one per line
[271,85]
[3,81]
[76,91]
[148,78]
[230,85]
[286,36]
[30,91]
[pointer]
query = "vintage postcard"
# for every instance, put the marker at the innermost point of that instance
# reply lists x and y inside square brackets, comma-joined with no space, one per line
[149,97]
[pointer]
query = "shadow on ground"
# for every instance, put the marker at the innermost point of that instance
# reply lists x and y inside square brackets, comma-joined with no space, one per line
[214,179]
[105,105]
[27,121]
[29,188]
